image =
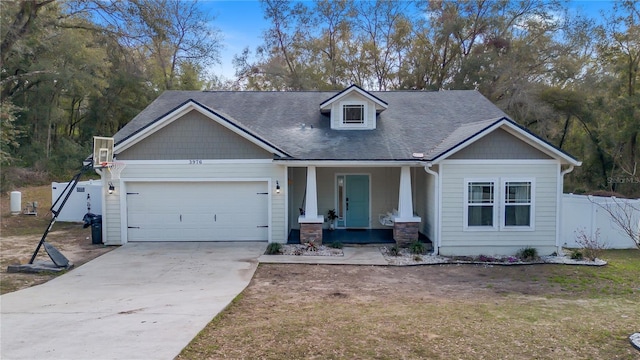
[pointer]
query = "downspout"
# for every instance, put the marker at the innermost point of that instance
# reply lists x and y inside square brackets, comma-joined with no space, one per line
[436,229]
[560,201]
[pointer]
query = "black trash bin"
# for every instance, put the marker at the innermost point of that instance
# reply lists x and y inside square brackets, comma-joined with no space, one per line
[96,230]
[95,221]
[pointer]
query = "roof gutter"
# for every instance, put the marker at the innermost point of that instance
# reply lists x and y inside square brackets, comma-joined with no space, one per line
[349,163]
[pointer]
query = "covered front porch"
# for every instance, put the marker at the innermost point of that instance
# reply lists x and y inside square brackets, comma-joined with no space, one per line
[373,204]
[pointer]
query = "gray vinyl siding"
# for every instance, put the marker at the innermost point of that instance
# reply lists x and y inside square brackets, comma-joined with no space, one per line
[499,144]
[499,242]
[115,204]
[194,136]
[111,221]
[419,192]
[297,186]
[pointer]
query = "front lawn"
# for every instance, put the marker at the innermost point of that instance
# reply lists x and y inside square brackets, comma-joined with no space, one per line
[433,312]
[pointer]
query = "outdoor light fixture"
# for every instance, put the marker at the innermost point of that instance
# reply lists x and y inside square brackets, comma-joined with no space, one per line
[111,187]
[277,187]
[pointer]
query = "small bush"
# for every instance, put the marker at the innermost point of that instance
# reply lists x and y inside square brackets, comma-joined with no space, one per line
[311,246]
[274,248]
[577,255]
[394,250]
[417,248]
[591,246]
[528,254]
[336,245]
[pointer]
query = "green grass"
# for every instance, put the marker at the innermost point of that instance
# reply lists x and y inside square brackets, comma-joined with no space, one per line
[619,277]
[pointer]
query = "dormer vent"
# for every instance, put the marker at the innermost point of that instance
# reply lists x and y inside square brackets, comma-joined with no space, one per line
[353,109]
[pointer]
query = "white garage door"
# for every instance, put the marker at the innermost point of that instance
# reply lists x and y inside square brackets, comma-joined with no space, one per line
[197,211]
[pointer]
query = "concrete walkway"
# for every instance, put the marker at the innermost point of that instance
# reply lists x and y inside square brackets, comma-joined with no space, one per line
[140,301]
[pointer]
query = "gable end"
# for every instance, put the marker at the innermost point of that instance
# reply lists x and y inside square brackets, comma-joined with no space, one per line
[499,144]
[193,136]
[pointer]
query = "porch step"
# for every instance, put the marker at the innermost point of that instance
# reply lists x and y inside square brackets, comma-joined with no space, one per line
[345,236]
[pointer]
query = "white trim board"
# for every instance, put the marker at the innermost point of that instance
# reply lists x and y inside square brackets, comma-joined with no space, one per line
[350,163]
[353,88]
[197,162]
[500,162]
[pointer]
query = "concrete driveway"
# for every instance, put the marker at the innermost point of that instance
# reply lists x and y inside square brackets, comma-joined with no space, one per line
[140,301]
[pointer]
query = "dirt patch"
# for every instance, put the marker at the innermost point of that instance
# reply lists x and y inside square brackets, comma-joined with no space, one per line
[74,243]
[20,235]
[442,281]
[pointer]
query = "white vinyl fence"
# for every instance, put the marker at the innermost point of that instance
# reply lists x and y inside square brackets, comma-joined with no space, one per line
[85,193]
[586,213]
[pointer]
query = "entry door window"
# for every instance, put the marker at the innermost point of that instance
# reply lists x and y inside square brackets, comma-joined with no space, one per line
[340,201]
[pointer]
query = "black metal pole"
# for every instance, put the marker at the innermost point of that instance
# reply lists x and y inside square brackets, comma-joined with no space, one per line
[70,186]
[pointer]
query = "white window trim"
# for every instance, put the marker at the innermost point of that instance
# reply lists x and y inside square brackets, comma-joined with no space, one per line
[499,205]
[465,205]
[365,109]
[503,205]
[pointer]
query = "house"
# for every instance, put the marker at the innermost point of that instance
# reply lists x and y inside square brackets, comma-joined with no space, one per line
[448,166]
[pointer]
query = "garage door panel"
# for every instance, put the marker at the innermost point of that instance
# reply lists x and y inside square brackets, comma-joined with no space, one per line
[202,211]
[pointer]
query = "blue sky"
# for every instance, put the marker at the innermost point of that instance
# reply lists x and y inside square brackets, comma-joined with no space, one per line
[242,24]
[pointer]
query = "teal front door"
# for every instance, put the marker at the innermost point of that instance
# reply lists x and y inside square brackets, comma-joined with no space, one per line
[357,201]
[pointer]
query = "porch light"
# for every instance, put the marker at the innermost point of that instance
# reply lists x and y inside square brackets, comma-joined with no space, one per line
[277,187]
[111,188]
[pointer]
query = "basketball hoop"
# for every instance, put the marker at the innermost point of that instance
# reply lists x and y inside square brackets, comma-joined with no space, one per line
[114,169]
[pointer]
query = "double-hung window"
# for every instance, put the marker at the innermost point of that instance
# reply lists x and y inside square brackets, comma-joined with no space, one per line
[518,204]
[491,204]
[480,204]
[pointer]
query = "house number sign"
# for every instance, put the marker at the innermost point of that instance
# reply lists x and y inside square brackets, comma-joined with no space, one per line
[195,162]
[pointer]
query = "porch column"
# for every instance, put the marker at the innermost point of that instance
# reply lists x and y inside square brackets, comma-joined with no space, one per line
[405,198]
[405,225]
[311,222]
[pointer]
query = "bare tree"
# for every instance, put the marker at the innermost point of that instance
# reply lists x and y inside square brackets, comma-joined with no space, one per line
[625,214]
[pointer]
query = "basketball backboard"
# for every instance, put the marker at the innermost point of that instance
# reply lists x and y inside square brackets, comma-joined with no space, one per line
[102,151]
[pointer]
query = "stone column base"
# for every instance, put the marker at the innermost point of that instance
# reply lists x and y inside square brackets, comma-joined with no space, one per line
[311,232]
[405,232]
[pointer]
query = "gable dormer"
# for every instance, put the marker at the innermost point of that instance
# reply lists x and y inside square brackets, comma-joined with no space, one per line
[353,109]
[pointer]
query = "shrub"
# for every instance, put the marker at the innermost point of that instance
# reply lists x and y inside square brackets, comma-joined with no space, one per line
[394,250]
[336,245]
[591,246]
[311,246]
[274,248]
[577,255]
[417,247]
[528,254]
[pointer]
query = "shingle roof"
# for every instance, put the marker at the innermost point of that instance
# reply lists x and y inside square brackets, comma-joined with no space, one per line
[458,136]
[414,122]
